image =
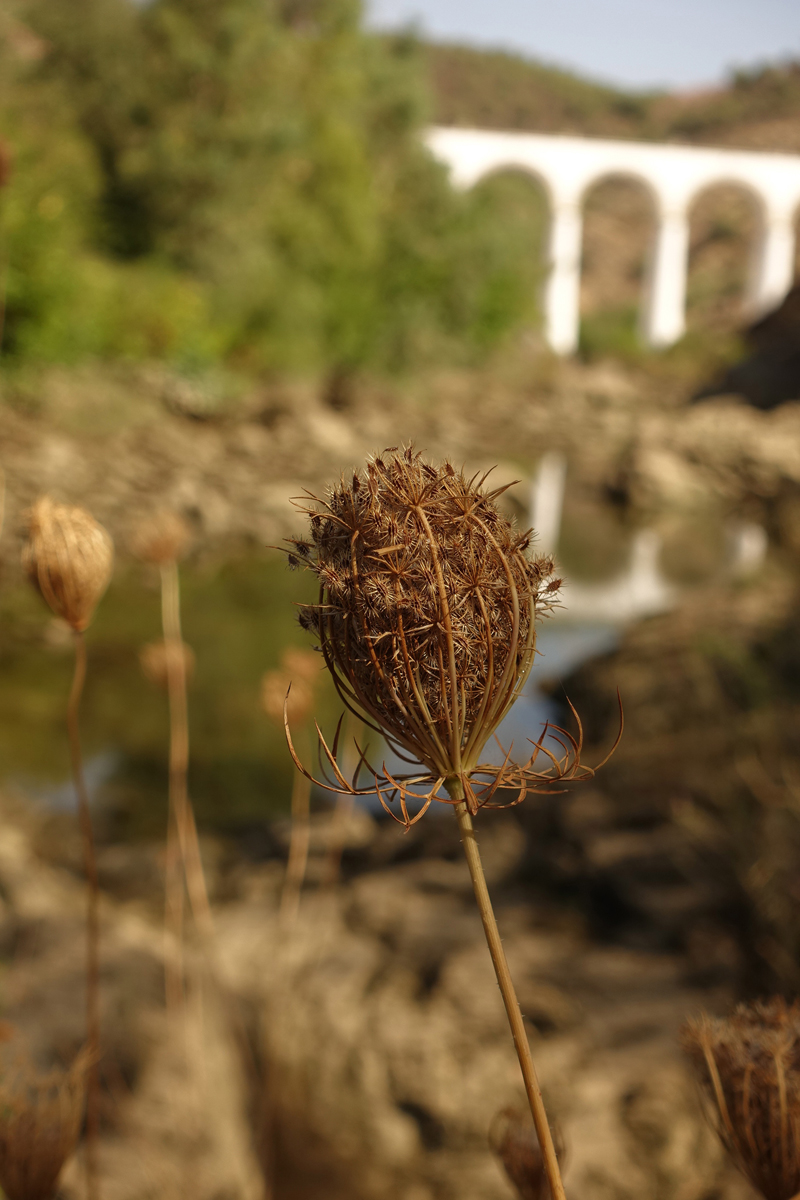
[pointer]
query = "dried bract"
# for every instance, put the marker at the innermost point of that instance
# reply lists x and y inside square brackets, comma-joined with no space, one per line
[155,659]
[749,1066]
[426,617]
[40,1119]
[513,1139]
[69,557]
[164,537]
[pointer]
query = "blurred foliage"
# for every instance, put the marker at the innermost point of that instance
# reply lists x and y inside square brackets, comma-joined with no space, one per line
[194,180]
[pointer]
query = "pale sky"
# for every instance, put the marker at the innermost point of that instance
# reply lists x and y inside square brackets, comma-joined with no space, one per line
[632,43]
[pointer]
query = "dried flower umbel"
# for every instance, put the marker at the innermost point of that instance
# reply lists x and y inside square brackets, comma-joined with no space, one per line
[513,1139]
[40,1119]
[426,617]
[749,1067]
[69,558]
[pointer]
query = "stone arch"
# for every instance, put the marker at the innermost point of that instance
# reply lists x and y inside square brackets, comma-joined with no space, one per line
[620,215]
[727,219]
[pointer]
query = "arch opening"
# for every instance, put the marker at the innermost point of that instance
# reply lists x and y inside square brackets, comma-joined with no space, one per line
[619,222]
[726,223]
[517,201]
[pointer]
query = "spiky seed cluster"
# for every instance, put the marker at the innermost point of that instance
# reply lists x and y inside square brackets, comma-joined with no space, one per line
[69,557]
[40,1119]
[513,1139]
[155,659]
[749,1065]
[426,617]
[427,605]
[161,538]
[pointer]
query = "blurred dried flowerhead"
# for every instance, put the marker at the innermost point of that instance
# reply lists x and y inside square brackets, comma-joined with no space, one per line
[426,617]
[40,1119]
[155,659]
[513,1139]
[749,1067]
[161,538]
[291,686]
[69,557]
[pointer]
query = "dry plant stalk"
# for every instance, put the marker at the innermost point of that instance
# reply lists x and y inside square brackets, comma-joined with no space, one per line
[40,1120]
[513,1139]
[749,1068]
[69,558]
[426,617]
[162,540]
[297,675]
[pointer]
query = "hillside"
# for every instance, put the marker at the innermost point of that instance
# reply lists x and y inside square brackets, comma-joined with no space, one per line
[492,89]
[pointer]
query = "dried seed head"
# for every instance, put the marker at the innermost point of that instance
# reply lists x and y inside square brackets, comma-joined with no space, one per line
[749,1067]
[155,659]
[427,605]
[69,557]
[40,1118]
[513,1139]
[164,537]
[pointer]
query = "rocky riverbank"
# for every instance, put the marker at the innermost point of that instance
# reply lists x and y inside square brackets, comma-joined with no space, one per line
[123,441]
[364,1052]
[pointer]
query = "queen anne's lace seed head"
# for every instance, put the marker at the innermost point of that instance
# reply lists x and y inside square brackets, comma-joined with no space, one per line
[40,1119]
[161,538]
[426,617]
[749,1067]
[69,557]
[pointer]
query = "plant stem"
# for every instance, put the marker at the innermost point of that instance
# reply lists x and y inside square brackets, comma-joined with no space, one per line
[508,993]
[298,849]
[183,822]
[92,924]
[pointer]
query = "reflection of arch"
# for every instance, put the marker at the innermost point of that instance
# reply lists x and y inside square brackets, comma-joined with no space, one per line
[727,219]
[675,174]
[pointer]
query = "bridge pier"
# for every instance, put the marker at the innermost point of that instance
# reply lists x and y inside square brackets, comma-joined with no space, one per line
[665,303]
[563,287]
[772,268]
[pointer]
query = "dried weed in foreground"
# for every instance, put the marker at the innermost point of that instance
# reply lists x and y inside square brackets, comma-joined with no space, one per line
[513,1139]
[155,661]
[163,537]
[40,1119]
[749,1066]
[426,617]
[69,557]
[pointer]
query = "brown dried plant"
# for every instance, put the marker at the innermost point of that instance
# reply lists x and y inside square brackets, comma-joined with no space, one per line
[513,1139]
[749,1067]
[154,659]
[162,539]
[289,691]
[69,558]
[40,1120]
[426,617]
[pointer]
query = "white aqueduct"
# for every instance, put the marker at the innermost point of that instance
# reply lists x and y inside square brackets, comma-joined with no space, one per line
[674,175]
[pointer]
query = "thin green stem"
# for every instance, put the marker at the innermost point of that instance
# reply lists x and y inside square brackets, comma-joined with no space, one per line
[506,984]
[92,921]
